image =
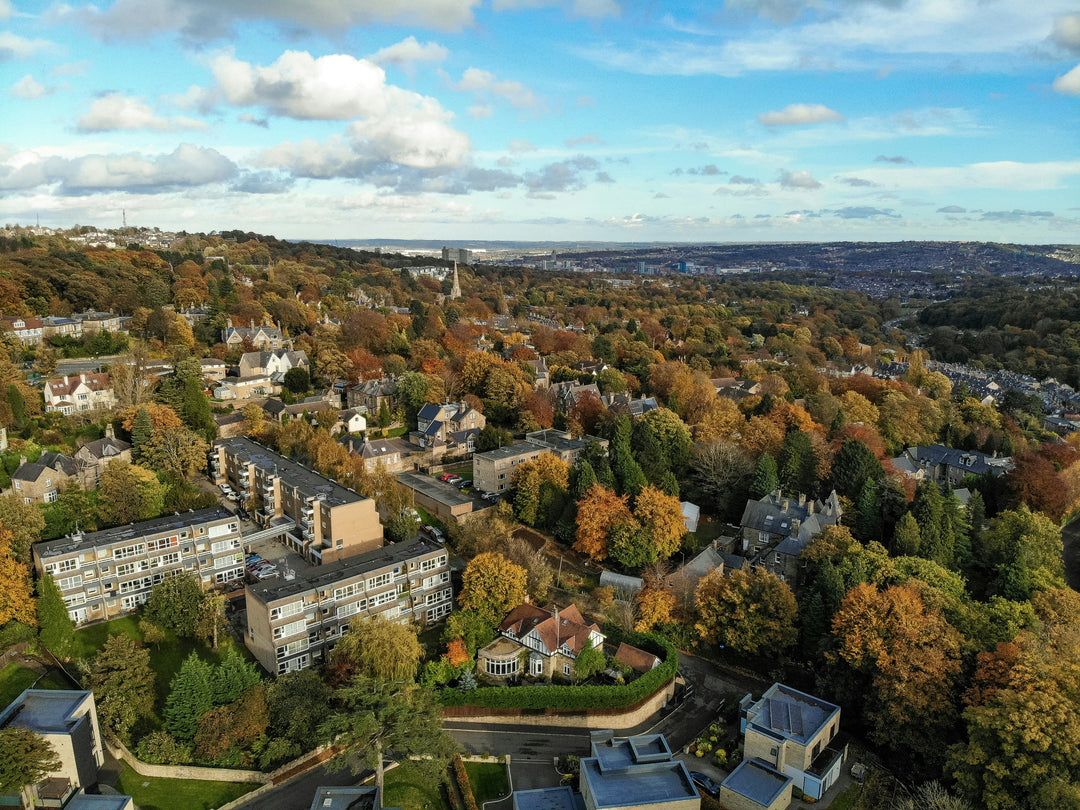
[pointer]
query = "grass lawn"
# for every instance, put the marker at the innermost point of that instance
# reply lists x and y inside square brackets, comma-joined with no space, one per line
[846,800]
[393,433]
[488,779]
[15,678]
[167,794]
[403,787]
[166,658]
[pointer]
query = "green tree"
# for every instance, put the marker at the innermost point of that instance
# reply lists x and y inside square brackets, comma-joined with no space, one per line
[195,408]
[123,684]
[377,648]
[378,717]
[385,418]
[232,676]
[907,539]
[630,544]
[492,437]
[590,661]
[797,464]
[582,478]
[852,465]
[57,630]
[928,509]
[868,517]
[128,493]
[297,380]
[766,478]
[141,429]
[25,522]
[190,697]
[26,758]
[176,604]
[176,452]
[74,509]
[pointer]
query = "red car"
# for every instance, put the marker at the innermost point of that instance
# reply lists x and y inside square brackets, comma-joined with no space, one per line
[446,476]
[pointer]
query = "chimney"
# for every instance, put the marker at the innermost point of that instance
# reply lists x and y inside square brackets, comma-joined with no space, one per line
[784,506]
[82,377]
[65,379]
[109,432]
[809,508]
[22,459]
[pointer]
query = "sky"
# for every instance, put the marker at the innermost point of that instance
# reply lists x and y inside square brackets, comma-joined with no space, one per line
[581,120]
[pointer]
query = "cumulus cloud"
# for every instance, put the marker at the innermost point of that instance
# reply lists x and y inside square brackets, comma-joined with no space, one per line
[1066,33]
[709,170]
[29,88]
[564,175]
[894,159]
[185,167]
[262,182]
[409,50]
[480,111]
[799,114]
[254,120]
[518,145]
[1069,84]
[12,46]
[484,84]
[115,111]
[205,20]
[798,179]
[604,177]
[952,209]
[740,180]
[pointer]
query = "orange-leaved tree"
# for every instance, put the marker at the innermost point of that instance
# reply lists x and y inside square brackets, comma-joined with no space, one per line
[598,512]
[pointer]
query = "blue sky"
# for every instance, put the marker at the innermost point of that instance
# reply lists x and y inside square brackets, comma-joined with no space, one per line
[614,120]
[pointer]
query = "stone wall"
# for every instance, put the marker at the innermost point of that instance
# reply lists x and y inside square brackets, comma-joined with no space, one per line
[118,750]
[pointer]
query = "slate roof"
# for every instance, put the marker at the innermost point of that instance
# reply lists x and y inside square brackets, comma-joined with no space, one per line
[971,461]
[106,447]
[790,714]
[756,781]
[797,524]
[429,411]
[98,381]
[47,462]
[567,628]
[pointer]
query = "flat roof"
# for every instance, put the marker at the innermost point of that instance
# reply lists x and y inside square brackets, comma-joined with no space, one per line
[638,784]
[434,489]
[291,473]
[790,713]
[553,798]
[346,798]
[132,531]
[512,451]
[86,801]
[757,782]
[321,576]
[48,711]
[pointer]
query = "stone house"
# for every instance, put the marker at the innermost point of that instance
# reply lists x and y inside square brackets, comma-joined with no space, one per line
[775,530]
[538,641]
[80,393]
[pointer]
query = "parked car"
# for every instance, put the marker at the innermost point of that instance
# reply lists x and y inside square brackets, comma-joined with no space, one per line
[463,483]
[446,476]
[453,479]
[432,533]
[254,561]
[225,489]
[706,783]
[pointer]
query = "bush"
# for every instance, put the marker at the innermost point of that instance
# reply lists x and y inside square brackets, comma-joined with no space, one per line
[577,698]
[463,782]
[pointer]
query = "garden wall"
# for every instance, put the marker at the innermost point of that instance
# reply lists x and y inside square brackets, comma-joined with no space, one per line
[118,750]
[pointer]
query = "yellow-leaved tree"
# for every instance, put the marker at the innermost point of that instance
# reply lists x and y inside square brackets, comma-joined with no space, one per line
[492,586]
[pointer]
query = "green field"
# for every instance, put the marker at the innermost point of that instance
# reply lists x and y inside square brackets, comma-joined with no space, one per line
[149,793]
[403,787]
[489,780]
[15,678]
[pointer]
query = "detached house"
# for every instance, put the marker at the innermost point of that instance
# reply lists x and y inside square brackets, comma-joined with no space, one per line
[775,530]
[27,330]
[552,638]
[946,465]
[272,364]
[81,393]
[447,428]
[43,480]
[372,394]
[93,456]
[265,338]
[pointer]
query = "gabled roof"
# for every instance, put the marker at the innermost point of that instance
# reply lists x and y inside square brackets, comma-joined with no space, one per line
[68,385]
[107,447]
[429,411]
[638,660]
[47,463]
[554,627]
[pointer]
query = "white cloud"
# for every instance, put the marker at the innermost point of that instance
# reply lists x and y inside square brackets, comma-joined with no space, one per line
[577,8]
[12,46]
[1069,84]
[115,111]
[798,114]
[1066,33]
[28,87]
[185,167]
[1005,174]
[798,179]
[204,20]
[584,140]
[409,50]
[481,111]
[484,84]
[71,69]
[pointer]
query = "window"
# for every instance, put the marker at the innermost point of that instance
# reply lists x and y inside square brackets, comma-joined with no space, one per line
[379,580]
[432,564]
[229,559]
[75,599]
[62,566]
[501,669]
[293,665]
[172,558]
[292,647]
[162,542]
[228,576]
[816,750]
[566,669]
[439,596]
[129,551]
[352,608]
[225,545]
[132,602]
[285,611]
[348,590]
[438,579]
[438,612]
[382,599]
[18,485]
[51,496]
[67,583]
[290,629]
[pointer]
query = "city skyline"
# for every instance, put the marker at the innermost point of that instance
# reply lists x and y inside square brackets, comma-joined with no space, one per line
[758,120]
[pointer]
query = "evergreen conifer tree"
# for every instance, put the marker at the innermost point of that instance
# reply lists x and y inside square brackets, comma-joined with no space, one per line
[908,538]
[231,677]
[190,697]
[56,629]
[141,428]
[765,478]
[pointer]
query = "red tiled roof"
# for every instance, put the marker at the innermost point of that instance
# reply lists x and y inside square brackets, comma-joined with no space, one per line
[67,385]
[569,628]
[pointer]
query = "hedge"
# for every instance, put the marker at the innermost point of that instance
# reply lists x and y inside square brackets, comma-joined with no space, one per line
[577,698]
[464,784]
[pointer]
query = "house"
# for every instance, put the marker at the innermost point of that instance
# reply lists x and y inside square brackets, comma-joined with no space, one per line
[567,394]
[293,623]
[67,719]
[448,428]
[58,326]
[636,773]
[735,388]
[393,455]
[775,530]
[634,406]
[247,387]
[789,732]
[946,465]
[108,573]
[264,338]
[230,424]
[43,480]
[754,785]
[319,519]
[272,364]
[79,393]
[552,636]
[637,660]
[27,330]
[543,375]
[593,367]
[93,322]
[92,457]
[350,421]
[372,395]
[213,370]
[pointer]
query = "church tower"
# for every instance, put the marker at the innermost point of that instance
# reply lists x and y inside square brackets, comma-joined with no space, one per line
[455,291]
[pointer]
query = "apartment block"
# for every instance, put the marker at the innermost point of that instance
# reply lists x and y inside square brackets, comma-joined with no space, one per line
[293,623]
[108,573]
[493,470]
[321,520]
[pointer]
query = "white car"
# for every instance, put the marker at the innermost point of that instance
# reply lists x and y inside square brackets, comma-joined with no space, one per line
[226,490]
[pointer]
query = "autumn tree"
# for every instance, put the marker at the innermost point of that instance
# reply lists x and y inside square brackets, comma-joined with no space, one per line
[655,606]
[752,611]
[721,472]
[129,493]
[538,573]
[16,594]
[911,656]
[492,586]
[25,523]
[177,451]
[377,648]
[660,516]
[598,512]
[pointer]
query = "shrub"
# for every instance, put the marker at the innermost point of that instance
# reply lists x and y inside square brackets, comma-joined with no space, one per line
[463,782]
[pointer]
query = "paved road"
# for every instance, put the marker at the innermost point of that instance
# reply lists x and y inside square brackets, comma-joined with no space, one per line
[1070,538]
[82,364]
[296,794]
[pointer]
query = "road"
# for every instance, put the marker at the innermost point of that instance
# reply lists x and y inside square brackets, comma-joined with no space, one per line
[533,749]
[1070,539]
[83,364]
